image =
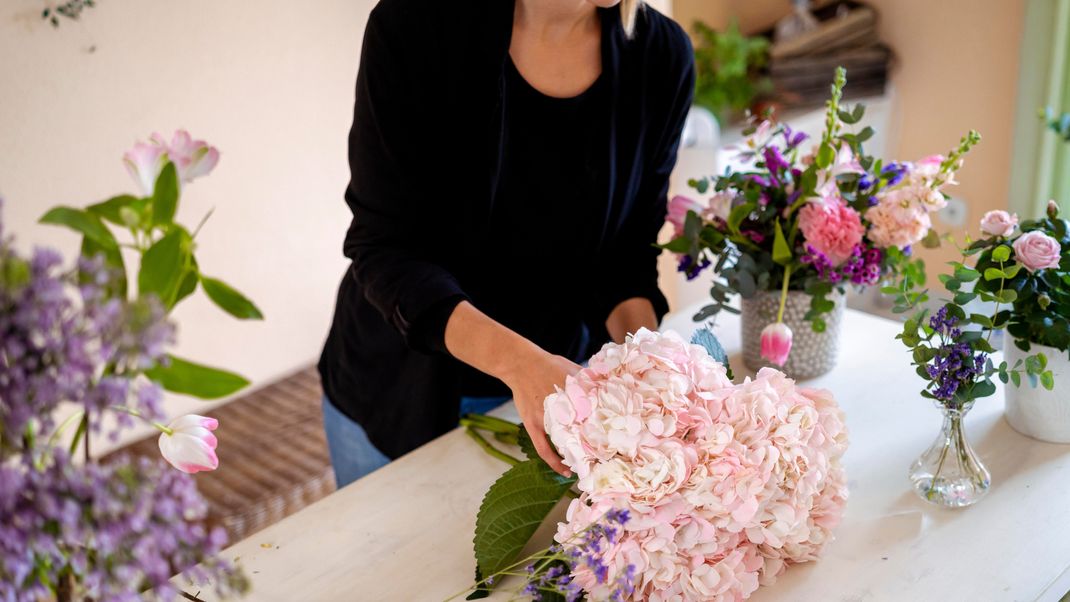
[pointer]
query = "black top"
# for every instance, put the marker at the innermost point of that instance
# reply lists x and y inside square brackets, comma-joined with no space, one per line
[467,183]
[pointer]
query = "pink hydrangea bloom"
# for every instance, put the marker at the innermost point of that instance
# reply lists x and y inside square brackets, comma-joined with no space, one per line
[726,485]
[831,227]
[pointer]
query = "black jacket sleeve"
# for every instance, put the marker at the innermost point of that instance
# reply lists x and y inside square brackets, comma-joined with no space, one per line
[392,239]
[630,268]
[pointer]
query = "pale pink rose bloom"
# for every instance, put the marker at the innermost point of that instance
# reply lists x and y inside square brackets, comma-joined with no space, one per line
[679,207]
[144,162]
[192,158]
[190,447]
[1037,251]
[897,223]
[831,227]
[776,343]
[999,223]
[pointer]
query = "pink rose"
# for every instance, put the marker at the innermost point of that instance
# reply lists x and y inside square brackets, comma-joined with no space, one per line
[831,227]
[1037,251]
[999,223]
[679,207]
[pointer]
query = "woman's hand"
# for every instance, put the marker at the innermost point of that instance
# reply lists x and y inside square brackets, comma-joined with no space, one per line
[531,381]
[528,370]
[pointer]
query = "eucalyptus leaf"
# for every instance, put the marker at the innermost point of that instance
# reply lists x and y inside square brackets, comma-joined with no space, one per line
[1001,253]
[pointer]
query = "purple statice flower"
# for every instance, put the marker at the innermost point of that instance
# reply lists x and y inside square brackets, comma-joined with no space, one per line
[872,201]
[866,182]
[955,364]
[894,173]
[690,267]
[792,138]
[775,162]
[862,268]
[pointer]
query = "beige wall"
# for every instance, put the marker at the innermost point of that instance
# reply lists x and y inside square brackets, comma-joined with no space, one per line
[270,83]
[956,69]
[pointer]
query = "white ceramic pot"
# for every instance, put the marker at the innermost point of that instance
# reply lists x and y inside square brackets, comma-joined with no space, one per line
[1036,411]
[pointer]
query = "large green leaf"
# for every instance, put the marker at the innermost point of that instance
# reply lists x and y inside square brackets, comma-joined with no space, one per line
[111,209]
[165,196]
[514,507]
[188,378]
[81,221]
[163,266]
[527,446]
[230,300]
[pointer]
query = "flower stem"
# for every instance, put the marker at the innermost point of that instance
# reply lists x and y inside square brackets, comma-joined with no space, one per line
[490,449]
[783,294]
[62,427]
[160,427]
[490,423]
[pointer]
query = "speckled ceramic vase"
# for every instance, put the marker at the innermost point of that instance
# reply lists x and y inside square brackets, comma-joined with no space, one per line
[1035,411]
[812,353]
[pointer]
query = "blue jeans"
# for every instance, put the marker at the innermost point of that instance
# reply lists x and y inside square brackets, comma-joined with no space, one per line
[352,453]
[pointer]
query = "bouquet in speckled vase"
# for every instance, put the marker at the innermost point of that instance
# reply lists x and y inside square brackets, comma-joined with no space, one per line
[79,341]
[686,486]
[952,347]
[795,229]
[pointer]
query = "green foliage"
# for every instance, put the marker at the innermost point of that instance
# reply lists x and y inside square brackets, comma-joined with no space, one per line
[188,378]
[513,508]
[168,269]
[727,70]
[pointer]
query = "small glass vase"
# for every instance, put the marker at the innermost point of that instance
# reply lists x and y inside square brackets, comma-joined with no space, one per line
[949,473]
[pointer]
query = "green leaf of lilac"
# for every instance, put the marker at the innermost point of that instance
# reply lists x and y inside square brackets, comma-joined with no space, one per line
[513,508]
[188,378]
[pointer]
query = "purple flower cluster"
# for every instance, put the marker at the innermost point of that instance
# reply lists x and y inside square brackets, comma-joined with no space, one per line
[553,574]
[102,532]
[118,528]
[894,173]
[955,363]
[690,267]
[863,267]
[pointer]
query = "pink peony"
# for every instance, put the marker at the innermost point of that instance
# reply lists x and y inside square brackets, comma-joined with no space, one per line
[831,227]
[726,485]
[999,223]
[1037,251]
[897,223]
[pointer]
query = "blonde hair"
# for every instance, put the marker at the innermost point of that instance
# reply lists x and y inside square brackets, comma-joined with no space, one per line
[629,12]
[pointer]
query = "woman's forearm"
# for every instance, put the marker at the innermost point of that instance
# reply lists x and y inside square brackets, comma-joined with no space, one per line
[478,340]
[629,316]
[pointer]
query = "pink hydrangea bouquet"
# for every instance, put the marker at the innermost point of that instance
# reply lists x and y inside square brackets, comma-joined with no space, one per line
[813,220]
[689,487]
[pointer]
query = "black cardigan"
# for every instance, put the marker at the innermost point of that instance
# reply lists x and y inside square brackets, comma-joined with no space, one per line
[424,153]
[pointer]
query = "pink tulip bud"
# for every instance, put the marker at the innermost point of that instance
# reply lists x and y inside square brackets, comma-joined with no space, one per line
[190,444]
[776,343]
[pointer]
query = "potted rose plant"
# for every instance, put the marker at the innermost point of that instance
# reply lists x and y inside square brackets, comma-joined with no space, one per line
[1035,258]
[793,233]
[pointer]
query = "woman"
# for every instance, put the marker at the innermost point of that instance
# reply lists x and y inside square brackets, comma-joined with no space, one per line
[510,162]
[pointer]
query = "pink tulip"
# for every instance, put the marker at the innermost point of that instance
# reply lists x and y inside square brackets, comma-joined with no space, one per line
[189,444]
[144,162]
[192,158]
[679,207]
[776,343]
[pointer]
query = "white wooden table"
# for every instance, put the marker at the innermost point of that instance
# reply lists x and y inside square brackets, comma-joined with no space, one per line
[405,532]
